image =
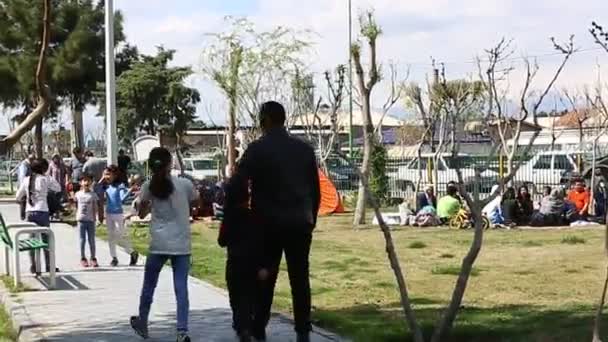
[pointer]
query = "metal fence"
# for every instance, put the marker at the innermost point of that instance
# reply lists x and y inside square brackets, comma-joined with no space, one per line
[408,175]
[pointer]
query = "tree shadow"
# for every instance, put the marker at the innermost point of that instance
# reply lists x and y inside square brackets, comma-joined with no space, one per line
[211,325]
[507,323]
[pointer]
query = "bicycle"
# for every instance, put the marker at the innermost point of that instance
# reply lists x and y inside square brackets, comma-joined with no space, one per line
[464,220]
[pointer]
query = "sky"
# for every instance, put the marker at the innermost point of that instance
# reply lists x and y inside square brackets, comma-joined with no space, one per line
[453,32]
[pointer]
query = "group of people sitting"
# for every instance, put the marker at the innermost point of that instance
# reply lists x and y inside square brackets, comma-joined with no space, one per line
[558,206]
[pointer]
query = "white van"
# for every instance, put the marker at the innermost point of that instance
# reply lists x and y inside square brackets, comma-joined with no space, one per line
[547,168]
[199,168]
[407,176]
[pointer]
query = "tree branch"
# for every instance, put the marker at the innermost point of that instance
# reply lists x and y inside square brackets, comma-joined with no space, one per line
[41,87]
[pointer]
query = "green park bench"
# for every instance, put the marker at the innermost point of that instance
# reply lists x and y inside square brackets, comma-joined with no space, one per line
[11,237]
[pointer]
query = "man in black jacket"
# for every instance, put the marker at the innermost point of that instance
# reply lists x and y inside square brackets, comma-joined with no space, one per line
[285,197]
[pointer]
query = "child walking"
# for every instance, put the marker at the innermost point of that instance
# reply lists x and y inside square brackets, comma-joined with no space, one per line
[114,193]
[169,199]
[244,263]
[87,209]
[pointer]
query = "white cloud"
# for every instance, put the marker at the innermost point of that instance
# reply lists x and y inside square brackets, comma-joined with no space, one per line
[451,31]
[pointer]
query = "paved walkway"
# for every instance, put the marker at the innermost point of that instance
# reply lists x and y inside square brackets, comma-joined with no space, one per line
[95,305]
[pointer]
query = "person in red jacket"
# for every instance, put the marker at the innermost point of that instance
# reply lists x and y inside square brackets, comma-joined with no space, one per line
[579,196]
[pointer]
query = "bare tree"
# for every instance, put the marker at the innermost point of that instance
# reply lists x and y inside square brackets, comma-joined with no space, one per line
[397,85]
[494,101]
[600,106]
[323,134]
[42,88]
[370,31]
[251,67]
[601,38]
[581,113]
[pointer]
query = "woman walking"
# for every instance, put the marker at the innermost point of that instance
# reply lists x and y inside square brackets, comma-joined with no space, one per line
[169,200]
[35,189]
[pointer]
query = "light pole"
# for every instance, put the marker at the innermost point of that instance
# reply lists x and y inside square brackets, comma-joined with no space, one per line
[350,79]
[112,138]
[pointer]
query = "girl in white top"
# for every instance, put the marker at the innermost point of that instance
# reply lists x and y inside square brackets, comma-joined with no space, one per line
[169,200]
[35,189]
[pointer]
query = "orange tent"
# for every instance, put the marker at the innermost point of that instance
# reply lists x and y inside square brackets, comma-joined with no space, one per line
[331,202]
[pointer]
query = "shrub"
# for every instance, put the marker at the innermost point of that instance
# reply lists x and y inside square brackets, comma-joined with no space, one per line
[417,245]
[378,180]
[572,240]
[452,270]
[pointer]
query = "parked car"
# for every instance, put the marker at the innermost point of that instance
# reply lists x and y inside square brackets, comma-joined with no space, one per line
[407,176]
[199,168]
[547,168]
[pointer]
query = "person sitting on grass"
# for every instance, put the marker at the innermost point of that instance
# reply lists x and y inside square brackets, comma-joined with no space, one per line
[448,205]
[426,198]
[525,207]
[579,196]
[492,210]
[600,197]
[551,212]
[509,206]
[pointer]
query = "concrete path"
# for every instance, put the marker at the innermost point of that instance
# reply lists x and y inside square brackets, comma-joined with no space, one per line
[95,305]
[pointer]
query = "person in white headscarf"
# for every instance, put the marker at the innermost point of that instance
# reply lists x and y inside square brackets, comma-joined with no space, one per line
[492,210]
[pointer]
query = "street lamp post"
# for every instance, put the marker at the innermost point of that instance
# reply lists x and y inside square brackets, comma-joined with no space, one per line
[112,138]
[350,79]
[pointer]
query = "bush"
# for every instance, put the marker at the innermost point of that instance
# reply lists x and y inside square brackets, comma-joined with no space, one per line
[573,240]
[417,245]
[378,180]
[452,270]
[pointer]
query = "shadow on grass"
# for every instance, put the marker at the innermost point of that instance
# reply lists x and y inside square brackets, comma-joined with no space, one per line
[512,323]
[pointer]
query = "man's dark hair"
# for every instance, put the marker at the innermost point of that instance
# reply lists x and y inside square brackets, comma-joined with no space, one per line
[89,153]
[452,190]
[121,151]
[77,150]
[273,113]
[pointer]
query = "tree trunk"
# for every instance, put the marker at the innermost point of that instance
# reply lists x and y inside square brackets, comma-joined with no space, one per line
[38,140]
[231,143]
[448,316]
[77,128]
[393,258]
[178,153]
[235,65]
[598,315]
[368,141]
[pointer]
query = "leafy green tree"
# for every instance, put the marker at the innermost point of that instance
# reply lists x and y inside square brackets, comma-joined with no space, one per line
[152,96]
[249,66]
[75,54]
[15,93]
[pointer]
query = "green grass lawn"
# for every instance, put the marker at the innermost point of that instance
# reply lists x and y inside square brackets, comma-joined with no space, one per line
[7,333]
[526,285]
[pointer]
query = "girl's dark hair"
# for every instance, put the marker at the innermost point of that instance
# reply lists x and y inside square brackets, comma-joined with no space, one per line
[519,195]
[159,161]
[113,169]
[509,194]
[38,167]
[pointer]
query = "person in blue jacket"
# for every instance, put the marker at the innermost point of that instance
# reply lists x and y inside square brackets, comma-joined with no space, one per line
[114,194]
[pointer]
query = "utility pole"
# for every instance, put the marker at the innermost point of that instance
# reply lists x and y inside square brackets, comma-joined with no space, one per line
[112,138]
[350,79]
